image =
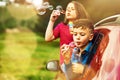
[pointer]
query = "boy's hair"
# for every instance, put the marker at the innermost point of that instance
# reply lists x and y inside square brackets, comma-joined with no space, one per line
[84,24]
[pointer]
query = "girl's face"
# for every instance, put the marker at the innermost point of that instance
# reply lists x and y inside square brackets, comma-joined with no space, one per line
[70,12]
[81,37]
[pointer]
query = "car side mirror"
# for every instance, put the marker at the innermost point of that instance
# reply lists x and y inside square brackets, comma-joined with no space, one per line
[53,65]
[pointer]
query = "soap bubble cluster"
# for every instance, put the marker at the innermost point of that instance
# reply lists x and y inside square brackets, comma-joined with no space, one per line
[46,6]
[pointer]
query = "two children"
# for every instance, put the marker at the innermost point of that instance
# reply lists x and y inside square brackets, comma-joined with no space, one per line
[77,54]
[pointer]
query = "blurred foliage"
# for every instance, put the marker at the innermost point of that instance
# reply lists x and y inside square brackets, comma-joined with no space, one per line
[6,20]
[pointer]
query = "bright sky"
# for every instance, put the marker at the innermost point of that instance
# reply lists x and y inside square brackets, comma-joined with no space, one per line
[36,3]
[2,3]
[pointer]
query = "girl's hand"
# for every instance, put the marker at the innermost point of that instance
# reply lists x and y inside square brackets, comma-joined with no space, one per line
[66,53]
[55,14]
[78,68]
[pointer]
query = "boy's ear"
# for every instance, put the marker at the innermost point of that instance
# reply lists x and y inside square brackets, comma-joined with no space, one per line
[91,37]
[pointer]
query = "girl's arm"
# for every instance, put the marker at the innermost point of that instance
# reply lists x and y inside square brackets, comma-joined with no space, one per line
[49,31]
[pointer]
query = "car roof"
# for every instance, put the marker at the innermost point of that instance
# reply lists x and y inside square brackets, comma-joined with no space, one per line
[115,19]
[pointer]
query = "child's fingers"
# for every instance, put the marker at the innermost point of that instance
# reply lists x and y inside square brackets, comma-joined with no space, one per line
[78,68]
[56,13]
[54,16]
[64,49]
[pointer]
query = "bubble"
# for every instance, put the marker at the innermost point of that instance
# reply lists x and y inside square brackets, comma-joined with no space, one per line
[41,11]
[45,3]
[59,7]
[50,7]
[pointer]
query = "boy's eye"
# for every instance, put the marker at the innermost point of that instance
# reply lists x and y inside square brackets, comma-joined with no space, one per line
[82,34]
[75,34]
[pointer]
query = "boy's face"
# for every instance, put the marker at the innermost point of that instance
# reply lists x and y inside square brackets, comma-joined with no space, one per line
[81,37]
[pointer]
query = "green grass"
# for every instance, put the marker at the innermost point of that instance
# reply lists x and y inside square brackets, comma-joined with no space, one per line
[24,56]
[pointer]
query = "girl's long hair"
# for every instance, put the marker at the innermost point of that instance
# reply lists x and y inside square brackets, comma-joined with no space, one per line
[80,11]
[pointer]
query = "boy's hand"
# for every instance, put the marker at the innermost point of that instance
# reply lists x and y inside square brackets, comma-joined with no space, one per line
[66,53]
[78,68]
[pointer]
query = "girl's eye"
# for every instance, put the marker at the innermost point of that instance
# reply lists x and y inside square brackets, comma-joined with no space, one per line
[72,9]
[68,9]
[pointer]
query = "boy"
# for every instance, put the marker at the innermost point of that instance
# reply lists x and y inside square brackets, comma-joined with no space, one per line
[77,54]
